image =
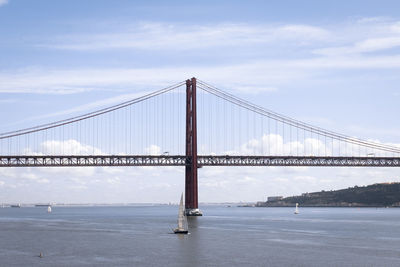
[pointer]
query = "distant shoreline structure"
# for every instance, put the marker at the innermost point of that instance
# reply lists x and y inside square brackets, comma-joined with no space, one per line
[123,204]
[374,196]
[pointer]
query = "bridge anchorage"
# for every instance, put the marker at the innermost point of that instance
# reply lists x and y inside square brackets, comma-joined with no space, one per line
[228,137]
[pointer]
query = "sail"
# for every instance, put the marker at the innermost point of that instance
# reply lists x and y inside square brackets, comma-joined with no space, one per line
[182,222]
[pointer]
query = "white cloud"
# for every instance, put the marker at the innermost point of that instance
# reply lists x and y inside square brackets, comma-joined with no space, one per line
[341,47]
[360,36]
[150,36]
[113,180]
[253,77]
[307,179]
[216,184]
[274,144]
[366,20]
[153,150]
[322,49]
[43,81]
[68,147]
[377,44]
[3,2]
[367,35]
[353,48]
[368,45]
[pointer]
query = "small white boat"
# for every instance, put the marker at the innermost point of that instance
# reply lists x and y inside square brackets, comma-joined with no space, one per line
[296,211]
[182,220]
[49,209]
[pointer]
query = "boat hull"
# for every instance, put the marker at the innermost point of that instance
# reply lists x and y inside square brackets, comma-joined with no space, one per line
[177,231]
[193,212]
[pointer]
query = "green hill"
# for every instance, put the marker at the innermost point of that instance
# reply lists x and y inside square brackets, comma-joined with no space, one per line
[376,195]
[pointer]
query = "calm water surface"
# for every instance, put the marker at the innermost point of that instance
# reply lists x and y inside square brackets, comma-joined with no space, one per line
[225,236]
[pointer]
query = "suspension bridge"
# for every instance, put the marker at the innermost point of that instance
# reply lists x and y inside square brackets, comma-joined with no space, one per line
[219,129]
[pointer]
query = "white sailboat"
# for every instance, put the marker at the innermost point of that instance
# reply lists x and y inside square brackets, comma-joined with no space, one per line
[182,220]
[296,211]
[49,209]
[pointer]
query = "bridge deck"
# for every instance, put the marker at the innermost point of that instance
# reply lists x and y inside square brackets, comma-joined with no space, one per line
[181,160]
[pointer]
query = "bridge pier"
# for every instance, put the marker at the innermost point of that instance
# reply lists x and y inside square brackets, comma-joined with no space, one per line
[191,192]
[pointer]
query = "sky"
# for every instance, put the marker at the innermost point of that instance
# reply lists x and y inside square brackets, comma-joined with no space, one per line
[331,64]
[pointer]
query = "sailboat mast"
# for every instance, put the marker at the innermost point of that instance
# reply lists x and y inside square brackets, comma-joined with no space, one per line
[181,214]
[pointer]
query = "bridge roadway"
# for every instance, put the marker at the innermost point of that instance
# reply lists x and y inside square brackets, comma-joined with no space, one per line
[203,160]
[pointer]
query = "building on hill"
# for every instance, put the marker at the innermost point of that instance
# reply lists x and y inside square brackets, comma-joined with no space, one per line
[274,198]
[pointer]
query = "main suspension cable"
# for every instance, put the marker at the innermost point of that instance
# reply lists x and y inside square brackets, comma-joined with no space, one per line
[88,115]
[292,122]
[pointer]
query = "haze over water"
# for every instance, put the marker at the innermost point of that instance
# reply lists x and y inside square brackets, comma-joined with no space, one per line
[225,236]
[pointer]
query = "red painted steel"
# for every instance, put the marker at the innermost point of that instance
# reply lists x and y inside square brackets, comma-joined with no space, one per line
[191,192]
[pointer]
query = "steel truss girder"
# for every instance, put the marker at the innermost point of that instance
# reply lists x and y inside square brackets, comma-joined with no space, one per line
[299,161]
[77,161]
[181,160]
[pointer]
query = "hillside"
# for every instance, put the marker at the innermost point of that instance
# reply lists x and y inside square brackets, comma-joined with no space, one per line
[376,195]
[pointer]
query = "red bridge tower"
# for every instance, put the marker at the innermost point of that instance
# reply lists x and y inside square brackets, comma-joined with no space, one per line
[191,193]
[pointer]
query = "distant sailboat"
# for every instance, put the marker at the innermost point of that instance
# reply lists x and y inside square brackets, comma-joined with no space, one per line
[182,220]
[49,209]
[296,211]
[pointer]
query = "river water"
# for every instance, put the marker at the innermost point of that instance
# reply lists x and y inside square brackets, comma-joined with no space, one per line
[224,236]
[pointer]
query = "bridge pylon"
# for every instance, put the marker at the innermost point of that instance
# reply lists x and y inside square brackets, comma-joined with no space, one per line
[191,187]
